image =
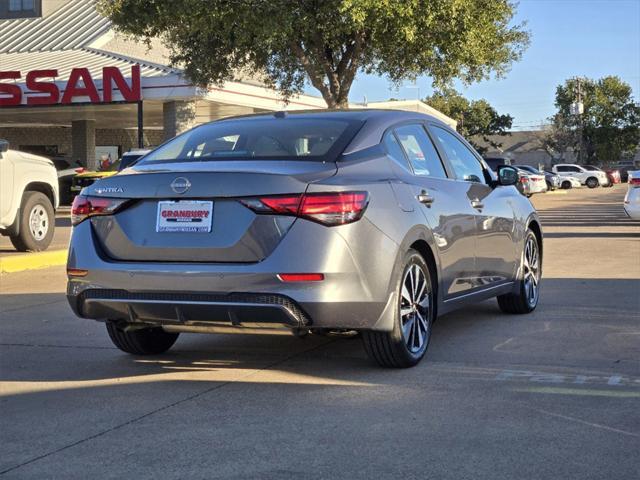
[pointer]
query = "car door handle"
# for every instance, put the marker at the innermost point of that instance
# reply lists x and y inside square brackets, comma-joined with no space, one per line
[477,204]
[425,198]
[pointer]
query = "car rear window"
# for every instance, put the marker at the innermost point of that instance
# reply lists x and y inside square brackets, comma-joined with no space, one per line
[259,139]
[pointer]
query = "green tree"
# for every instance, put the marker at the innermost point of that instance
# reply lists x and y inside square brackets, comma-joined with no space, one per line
[559,139]
[327,42]
[476,118]
[609,127]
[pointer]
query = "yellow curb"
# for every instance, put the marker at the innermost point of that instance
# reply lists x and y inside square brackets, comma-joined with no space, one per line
[557,192]
[33,261]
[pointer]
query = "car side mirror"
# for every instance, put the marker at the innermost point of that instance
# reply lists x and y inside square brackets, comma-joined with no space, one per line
[4,146]
[507,175]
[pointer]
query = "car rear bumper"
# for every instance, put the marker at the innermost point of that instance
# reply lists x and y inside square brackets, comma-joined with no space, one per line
[539,187]
[354,294]
[185,309]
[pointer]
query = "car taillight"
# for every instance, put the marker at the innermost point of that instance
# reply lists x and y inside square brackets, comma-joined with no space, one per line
[331,208]
[634,181]
[79,170]
[84,207]
[524,180]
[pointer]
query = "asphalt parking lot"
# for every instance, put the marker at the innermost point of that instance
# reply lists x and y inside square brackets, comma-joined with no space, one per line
[555,394]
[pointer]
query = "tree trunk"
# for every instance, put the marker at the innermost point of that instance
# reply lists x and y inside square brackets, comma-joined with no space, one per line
[332,77]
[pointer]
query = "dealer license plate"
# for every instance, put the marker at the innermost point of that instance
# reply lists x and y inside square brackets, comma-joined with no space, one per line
[184,216]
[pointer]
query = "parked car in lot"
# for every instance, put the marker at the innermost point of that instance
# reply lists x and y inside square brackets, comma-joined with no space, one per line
[566,181]
[28,199]
[130,157]
[65,178]
[587,177]
[624,167]
[552,180]
[613,174]
[531,183]
[612,178]
[272,221]
[89,177]
[525,186]
[86,178]
[495,162]
[632,198]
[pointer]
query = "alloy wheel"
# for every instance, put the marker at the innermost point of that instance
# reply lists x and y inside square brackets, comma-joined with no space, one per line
[38,222]
[531,270]
[414,308]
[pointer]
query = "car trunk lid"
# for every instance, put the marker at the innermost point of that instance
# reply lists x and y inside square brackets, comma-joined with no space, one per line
[150,227]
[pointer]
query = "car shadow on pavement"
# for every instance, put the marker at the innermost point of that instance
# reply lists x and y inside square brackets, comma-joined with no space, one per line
[61,378]
[576,320]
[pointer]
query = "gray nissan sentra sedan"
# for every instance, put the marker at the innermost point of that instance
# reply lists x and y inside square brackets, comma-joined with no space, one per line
[370,221]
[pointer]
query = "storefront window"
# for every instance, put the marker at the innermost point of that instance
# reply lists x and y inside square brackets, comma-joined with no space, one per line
[20,8]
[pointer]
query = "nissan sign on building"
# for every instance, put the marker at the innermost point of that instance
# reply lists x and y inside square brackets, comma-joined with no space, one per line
[42,88]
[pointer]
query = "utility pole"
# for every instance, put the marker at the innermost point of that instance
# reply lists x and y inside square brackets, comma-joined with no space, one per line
[577,108]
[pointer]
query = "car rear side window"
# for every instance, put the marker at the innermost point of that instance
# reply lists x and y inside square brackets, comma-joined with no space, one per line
[394,150]
[462,160]
[259,139]
[419,149]
[567,168]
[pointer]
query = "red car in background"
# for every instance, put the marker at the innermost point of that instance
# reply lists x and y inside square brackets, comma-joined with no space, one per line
[613,175]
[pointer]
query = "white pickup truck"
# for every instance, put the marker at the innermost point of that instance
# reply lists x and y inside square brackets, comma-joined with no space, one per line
[28,199]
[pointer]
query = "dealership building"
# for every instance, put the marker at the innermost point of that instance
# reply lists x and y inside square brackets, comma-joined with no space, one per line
[72,87]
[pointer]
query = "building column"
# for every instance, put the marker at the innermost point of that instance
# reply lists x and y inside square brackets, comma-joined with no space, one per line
[83,143]
[177,117]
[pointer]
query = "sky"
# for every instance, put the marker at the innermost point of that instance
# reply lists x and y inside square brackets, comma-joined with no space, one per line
[591,38]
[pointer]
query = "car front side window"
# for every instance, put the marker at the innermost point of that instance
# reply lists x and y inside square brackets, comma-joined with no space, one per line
[420,151]
[462,160]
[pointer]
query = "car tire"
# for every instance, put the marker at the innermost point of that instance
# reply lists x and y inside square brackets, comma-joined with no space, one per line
[143,341]
[407,343]
[526,300]
[566,185]
[592,182]
[36,223]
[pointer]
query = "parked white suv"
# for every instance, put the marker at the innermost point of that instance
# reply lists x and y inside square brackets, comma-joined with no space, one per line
[589,178]
[28,199]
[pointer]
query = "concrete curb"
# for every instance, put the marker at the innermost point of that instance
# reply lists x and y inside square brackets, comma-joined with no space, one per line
[32,261]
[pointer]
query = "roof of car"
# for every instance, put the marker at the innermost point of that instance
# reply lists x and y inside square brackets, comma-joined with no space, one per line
[361,114]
